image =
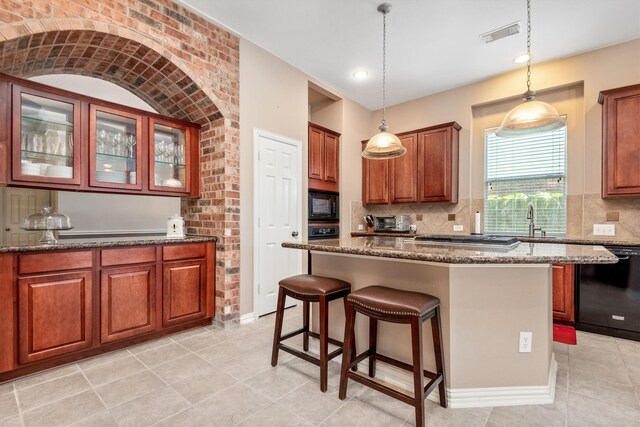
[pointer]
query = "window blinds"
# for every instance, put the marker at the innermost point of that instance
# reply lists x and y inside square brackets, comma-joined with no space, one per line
[521,171]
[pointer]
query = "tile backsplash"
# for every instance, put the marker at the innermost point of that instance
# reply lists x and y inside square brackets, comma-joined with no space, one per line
[582,212]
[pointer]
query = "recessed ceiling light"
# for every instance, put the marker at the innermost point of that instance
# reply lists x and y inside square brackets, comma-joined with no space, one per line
[521,59]
[360,74]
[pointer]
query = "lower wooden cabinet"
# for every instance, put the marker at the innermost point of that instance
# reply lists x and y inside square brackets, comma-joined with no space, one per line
[183,292]
[127,302]
[59,306]
[54,315]
[563,291]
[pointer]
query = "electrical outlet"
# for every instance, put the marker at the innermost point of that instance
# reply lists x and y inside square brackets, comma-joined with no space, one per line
[604,229]
[525,342]
[458,227]
[360,227]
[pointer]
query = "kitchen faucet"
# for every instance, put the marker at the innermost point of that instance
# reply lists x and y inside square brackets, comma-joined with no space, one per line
[532,225]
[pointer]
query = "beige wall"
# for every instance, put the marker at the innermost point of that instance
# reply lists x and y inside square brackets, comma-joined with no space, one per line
[274,98]
[573,85]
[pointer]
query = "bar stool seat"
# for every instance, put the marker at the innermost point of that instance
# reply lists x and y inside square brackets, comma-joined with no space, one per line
[394,302]
[308,284]
[396,306]
[309,288]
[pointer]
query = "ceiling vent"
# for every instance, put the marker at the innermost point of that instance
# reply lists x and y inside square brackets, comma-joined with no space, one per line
[500,33]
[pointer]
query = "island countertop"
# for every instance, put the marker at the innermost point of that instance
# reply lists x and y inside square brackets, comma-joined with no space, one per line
[406,248]
[105,242]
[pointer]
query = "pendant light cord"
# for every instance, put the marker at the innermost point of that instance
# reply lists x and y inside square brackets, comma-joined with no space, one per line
[528,45]
[384,66]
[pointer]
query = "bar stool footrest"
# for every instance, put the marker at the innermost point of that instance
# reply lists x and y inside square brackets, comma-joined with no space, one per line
[331,340]
[405,366]
[381,386]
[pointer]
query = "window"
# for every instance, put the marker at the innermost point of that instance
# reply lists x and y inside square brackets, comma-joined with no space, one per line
[525,170]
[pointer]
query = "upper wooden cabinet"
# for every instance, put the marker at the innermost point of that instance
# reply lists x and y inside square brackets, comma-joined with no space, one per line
[438,164]
[403,176]
[46,146]
[61,140]
[375,180]
[620,141]
[115,148]
[324,158]
[428,172]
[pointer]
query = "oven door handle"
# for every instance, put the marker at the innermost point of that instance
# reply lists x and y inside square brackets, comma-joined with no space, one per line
[623,258]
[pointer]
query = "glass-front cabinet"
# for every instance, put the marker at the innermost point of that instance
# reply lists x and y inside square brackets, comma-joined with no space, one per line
[115,148]
[169,154]
[46,137]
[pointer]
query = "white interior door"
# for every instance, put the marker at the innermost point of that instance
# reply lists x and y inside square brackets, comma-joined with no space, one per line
[278,216]
[17,203]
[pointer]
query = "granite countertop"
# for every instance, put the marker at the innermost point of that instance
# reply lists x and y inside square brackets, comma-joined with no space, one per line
[106,242]
[406,248]
[538,239]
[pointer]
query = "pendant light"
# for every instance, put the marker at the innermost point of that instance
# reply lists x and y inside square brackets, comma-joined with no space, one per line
[531,116]
[384,145]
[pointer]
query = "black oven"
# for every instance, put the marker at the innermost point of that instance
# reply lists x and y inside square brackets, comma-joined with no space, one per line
[323,206]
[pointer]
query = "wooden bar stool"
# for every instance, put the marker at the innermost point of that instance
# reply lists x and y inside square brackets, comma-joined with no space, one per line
[309,288]
[392,305]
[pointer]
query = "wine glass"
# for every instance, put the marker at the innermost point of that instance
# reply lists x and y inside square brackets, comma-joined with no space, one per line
[102,140]
[117,144]
[169,151]
[159,150]
[129,142]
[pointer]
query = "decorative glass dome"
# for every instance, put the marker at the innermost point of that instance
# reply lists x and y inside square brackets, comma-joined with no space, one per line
[47,220]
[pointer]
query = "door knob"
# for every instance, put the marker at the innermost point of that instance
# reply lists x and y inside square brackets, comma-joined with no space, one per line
[294,233]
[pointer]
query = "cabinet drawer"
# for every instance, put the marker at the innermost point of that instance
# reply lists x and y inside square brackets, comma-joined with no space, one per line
[125,256]
[55,261]
[174,252]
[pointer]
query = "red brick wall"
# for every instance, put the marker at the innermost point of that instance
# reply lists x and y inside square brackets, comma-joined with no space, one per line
[179,63]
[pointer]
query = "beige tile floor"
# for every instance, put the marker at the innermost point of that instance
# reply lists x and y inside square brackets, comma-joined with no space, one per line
[222,377]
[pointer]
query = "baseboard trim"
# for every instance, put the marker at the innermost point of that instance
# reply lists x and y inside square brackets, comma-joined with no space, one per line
[467,397]
[247,318]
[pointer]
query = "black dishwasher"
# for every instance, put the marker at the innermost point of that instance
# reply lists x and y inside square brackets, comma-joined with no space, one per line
[608,297]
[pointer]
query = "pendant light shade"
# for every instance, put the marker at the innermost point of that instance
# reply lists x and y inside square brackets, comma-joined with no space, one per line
[531,116]
[384,145]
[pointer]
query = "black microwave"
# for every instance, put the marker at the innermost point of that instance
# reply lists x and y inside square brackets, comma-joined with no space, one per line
[323,206]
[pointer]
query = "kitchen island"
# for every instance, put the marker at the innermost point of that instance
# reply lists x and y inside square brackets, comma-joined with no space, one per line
[488,296]
[82,297]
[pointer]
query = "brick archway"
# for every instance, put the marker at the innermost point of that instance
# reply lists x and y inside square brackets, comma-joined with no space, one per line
[171,84]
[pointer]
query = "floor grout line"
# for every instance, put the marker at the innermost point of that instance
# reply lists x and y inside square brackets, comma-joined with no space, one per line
[15,395]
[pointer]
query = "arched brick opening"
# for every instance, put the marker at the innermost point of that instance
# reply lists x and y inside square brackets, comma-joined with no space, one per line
[165,82]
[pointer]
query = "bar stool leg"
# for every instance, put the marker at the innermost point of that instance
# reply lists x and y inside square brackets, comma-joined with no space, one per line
[436,330]
[418,378]
[305,325]
[324,342]
[349,352]
[373,342]
[278,329]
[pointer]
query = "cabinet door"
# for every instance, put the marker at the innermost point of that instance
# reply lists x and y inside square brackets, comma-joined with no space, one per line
[5,132]
[331,158]
[316,153]
[127,302]
[403,172]
[54,314]
[563,286]
[621,142]
[115,148]
[375,181]
[169,156]
[183,291]
[46,138]
[435,159]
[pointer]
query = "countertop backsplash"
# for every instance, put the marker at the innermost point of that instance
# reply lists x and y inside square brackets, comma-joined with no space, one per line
[582,212]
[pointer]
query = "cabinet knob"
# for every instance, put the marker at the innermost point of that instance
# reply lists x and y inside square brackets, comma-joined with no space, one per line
[294,233]
[7,229]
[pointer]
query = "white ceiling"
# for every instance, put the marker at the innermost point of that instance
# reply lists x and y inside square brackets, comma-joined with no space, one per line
[432,45]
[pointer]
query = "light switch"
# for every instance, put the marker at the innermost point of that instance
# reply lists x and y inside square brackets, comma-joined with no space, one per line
[604,229]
